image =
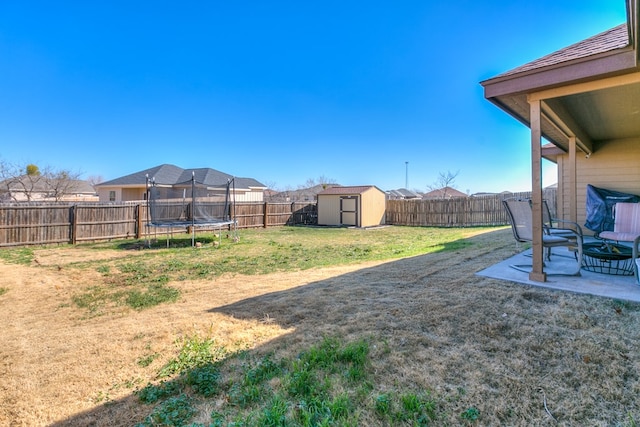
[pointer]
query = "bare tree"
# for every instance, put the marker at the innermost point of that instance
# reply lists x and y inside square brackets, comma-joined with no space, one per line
[7,172]
[445,183]
[29,180]
[95,179]
[23,180]
[61,182]
[321,180]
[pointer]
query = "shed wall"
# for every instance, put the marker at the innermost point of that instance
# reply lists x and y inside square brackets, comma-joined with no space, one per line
[329,209]
[372,208]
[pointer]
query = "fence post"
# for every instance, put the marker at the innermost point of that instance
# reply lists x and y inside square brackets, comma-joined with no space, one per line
[138,221]
[294,220]
[74,223]
[265,214]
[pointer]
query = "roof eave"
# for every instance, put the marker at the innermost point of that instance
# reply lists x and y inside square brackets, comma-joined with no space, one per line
[633,25]
[618,62]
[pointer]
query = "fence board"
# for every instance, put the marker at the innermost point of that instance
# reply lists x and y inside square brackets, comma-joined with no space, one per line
[110,222]
[34,225]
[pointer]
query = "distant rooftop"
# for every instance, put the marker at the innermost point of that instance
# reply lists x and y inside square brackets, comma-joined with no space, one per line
[171,175]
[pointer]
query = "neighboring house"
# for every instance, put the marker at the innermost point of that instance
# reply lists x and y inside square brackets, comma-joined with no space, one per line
[402,194]
[38,188]
[443,193]
[300,195]
[133,187]
[585,101]
[504,194]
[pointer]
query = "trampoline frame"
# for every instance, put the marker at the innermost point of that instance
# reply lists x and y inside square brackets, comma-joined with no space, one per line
[192,224]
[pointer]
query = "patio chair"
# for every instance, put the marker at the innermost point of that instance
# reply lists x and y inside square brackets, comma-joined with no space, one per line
[558,227]
[521,216]
[626,228]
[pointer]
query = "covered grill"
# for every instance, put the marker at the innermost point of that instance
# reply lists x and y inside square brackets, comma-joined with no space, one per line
[600,203]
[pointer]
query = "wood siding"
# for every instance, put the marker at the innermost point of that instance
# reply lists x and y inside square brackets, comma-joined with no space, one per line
[329,209]
[372,208]
[615,165]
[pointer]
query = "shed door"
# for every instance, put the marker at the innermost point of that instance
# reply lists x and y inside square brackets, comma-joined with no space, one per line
[349,210]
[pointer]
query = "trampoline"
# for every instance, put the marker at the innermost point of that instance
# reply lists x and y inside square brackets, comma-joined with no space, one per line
[192,205]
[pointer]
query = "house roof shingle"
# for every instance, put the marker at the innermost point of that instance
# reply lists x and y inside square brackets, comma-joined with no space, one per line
[171,175]
[442,193]
[615,38]
[404,193]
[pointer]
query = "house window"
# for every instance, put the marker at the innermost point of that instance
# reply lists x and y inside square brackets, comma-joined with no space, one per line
[112,196]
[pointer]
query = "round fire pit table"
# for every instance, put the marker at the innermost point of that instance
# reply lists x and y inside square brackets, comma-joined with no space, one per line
[607,258]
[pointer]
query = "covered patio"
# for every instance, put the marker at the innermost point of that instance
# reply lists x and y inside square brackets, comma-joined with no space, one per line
[585,101]
[617,287]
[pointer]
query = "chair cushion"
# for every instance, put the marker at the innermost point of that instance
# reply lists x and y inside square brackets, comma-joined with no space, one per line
[620,237]
[546,239]
[627,218]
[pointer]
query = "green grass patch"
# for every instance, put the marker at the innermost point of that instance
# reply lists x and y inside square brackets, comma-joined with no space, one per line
[142,281]
[23,256]
[195,351]
[322,386]
[134,284]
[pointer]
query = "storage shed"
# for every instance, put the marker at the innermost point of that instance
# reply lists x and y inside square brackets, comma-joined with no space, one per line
[359,206]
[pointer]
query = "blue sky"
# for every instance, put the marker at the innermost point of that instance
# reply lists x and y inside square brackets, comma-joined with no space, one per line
[279,91]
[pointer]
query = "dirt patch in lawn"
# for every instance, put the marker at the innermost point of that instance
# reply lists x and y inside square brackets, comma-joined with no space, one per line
[519,355]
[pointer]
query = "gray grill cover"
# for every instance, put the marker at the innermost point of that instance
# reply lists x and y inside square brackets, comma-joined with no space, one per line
[600,204]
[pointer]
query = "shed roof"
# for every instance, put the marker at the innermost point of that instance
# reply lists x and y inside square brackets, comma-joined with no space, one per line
[348,190]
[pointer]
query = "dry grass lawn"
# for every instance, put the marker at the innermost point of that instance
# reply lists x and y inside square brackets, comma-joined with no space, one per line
[521,355]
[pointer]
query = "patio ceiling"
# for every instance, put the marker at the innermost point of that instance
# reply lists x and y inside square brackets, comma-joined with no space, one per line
[590,90]
[592,116]
[612,113]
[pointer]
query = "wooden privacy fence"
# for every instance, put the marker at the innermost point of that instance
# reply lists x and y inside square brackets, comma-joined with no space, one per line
[28,224]
[61,223]
[457,212]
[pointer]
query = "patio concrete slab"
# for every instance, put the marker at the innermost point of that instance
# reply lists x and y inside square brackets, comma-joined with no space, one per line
[604,285]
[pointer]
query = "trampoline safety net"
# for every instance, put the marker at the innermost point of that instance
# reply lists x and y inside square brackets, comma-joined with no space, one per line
[189,204]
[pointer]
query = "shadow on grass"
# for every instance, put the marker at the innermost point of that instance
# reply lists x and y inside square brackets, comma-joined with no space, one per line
[170,242]
[443,327]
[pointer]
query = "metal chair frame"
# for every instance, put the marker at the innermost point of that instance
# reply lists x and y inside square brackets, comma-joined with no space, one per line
[521,218]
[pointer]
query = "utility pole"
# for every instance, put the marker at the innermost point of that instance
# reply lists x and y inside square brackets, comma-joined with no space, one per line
[406,175]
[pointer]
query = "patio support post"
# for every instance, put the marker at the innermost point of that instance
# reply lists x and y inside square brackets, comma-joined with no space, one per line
[573,202]
[537,273]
